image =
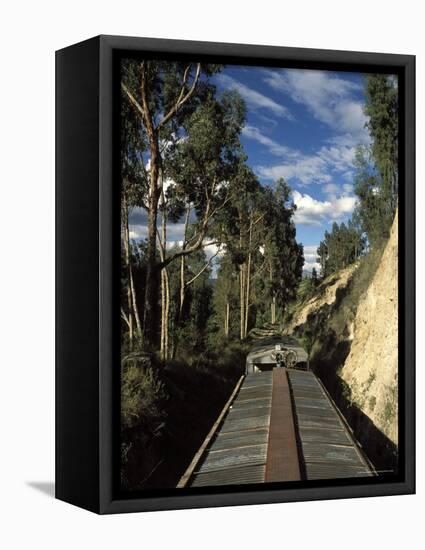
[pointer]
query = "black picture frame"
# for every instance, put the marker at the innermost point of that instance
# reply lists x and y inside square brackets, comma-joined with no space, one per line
[86,244]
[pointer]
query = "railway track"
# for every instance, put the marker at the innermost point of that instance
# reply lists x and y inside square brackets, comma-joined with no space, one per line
[278,425]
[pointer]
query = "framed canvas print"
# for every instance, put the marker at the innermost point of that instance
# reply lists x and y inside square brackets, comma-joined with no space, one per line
[235,274]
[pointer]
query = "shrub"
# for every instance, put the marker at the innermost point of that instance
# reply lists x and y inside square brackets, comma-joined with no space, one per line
[142,395]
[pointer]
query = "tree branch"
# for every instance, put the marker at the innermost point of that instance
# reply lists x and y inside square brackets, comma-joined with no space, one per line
[182,98]
[193,279]
[146,114]
[132,99]
[124,316]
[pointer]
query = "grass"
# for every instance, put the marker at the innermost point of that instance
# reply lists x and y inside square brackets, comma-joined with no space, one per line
[167,410]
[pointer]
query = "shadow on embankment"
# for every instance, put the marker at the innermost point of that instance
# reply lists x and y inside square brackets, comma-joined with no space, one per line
[326,335]
[380,450]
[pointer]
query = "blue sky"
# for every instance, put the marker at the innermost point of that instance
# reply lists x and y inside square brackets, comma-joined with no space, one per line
[302,125]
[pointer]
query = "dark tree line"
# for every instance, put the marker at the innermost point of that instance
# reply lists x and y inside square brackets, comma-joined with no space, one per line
[340,247]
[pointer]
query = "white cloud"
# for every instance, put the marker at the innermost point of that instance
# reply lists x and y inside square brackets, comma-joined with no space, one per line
[306,169]
[252,132]
[254,99]
[310,253]
[175,232]
[315,168]
[308,266]
[310,258]
[312,211]
[339,158]
[331,188]
[328,97]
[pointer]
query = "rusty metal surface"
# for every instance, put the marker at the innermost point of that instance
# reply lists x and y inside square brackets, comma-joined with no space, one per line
[328,450]
[282,454]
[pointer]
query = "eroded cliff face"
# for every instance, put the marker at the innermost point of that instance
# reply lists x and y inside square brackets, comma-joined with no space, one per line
[350,328]
[371,369]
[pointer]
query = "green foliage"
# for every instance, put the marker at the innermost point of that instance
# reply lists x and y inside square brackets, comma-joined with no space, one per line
[168,410]
[142,395]
[382,110]
[340,248]
[376,177]
[374,210]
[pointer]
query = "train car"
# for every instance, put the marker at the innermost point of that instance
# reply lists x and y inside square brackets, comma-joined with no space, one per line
[276,351]
[279,424]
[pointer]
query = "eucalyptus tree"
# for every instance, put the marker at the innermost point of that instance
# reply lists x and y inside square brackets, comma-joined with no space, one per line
[202,167]
[226,292]
[133,190]
[236,223]
[341,247]
[283,254]
[372,208]
[376,165]
[162,95]
[382,111]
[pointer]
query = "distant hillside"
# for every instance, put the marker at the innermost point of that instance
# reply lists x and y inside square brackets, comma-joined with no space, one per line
[349,324]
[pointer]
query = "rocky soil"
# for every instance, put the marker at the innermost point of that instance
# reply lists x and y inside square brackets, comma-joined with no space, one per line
[350,328]
[370,369]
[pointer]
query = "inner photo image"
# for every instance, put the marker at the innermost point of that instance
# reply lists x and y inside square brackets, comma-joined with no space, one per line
[258,274]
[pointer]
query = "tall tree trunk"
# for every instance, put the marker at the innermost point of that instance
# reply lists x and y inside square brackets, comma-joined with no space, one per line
[226,319]
[248,279]
[161,342]
[165,285]
[167,312]
[135,307]
[151,285]
[242,299]
[182,265]
[241,279]
[130,330]
[247,295]
[129,307]
[273,301]
[165,308]
[131,292]
[182,288]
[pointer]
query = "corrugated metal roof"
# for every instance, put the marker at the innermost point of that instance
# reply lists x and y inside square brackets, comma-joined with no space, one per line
[328,449]
[237,453]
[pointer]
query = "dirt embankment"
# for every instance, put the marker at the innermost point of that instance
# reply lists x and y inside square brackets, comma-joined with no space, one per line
[326,295]
[371,369]
[350,327]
